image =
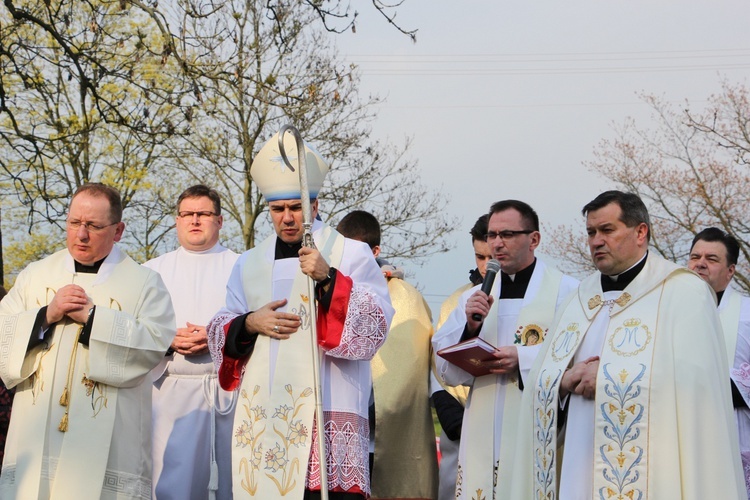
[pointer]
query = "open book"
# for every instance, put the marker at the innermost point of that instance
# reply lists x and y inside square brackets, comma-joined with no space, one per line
[469,355]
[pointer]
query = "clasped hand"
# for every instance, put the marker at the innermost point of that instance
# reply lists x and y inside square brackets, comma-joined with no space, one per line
[581,378]
[191,340]
[70,301]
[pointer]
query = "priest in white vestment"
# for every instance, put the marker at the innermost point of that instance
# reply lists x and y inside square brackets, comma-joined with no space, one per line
[449,401]
[636,362]
[713,255]
[81,331]
[514,318]
[192,414]
[261,344]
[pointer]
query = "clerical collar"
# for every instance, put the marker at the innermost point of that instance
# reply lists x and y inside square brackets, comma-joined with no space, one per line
[514,286]
[618,282]
[92,269]
[287,251]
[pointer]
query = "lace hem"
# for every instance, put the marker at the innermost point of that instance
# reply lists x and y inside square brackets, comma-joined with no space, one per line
[347,442]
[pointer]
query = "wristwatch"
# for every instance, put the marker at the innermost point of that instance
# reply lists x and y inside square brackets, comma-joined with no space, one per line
[328,278]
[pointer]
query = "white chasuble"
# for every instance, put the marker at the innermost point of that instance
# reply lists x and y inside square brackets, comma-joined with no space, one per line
[276,406]
[659,381]
[104,451]
[488,430]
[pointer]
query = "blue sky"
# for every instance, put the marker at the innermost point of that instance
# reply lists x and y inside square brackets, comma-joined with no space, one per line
[508,99]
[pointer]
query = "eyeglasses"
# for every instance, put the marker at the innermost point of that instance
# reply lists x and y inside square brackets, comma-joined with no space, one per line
[505,235]
[190,215]
[75,225]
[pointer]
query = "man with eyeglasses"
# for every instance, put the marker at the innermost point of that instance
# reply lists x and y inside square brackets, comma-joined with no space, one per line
[192,423]
[514,317]
[261,342]
[81,331]
[713,255]
[632,379]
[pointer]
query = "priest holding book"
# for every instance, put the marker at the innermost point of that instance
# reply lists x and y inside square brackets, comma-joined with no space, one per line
[513,317]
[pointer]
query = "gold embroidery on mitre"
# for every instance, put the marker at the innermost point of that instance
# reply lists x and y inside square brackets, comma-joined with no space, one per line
[595,301]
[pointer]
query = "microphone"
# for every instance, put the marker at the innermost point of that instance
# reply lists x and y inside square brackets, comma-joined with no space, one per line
[493,267]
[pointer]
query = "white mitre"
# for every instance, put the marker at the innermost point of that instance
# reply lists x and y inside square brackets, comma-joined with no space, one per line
[277,181]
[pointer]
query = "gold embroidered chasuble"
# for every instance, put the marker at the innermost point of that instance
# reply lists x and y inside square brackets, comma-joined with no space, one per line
[277,390]
[405,464]
[460,392]
[662,378]
[105,452]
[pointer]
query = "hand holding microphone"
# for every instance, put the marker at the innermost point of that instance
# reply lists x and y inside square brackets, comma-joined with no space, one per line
[493,267]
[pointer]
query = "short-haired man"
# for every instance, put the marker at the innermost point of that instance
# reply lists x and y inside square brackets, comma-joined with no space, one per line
[449,401]
[261,342]
[189,433]
[402,434]
[636,356]
[81,331]
[524,298]
[713,255]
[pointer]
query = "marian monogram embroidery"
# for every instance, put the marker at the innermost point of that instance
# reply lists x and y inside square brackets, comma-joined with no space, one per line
[565,342]
[630,338]
[304,315]
[97,392]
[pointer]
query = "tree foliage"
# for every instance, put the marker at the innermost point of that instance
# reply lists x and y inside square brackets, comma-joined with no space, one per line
[691,170]
[151,97]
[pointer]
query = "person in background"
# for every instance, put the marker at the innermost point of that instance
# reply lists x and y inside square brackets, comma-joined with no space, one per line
[713,255]
[192,437]
[449,402]
[402,435]
[6,401]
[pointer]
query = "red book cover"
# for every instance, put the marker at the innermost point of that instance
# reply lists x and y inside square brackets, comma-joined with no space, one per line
[469,355]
